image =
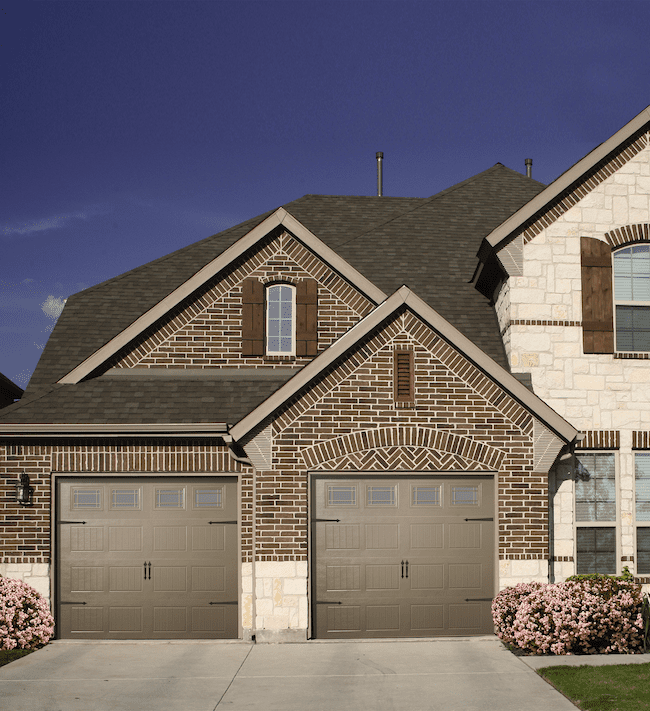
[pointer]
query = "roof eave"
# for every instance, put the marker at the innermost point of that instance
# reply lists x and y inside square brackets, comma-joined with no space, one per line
[506,229]
[63,429]
[404,295]
[279,217]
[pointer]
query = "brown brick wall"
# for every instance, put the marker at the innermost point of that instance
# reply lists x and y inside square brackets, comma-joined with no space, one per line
[208,333]
[349,421]
[25,531]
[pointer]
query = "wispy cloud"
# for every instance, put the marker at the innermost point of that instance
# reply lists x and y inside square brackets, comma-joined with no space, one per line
[50,223]
[52,306]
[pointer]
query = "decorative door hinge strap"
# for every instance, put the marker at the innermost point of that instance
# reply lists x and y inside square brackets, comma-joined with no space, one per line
[480,519]
[328,602]
[222,521]
[73,603]
[224,603]
[322,520]
[478,599]
[80,523]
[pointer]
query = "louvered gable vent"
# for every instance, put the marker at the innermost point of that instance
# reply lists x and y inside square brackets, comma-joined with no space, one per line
[403,376]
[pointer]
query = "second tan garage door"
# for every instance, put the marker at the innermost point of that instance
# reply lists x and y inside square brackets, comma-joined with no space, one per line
[147,558]
[402,557]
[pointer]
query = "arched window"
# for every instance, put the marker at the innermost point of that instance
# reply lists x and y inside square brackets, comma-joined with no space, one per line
[280,319]
[632,298]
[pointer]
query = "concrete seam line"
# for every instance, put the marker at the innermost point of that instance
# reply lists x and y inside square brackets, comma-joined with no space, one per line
[234,677]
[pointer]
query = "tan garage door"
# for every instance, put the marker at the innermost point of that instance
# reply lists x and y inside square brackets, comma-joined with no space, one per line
[147,558]
[402,557]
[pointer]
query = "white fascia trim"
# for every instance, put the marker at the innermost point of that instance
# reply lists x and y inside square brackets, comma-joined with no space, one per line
[405,296]
[565,180]
[279,217]
[64,428]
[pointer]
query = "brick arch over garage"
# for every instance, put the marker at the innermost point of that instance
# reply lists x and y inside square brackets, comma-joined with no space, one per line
[408,448]
[628,233]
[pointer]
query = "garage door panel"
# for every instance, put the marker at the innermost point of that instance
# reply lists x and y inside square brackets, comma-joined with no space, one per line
[417,562]
[147,562]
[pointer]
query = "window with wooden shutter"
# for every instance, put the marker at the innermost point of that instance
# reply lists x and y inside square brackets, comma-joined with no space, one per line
[403,376]
[252,317]
[597,304]
[307,318]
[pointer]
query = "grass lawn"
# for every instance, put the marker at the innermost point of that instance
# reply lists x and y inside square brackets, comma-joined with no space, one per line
[620,687]
[9,655]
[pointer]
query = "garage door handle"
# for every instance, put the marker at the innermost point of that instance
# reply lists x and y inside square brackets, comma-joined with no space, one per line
[407,568]
[145,571]
[402,568]
[479,519]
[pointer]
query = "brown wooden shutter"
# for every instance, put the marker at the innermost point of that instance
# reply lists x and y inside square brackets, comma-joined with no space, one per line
[307,318]
[252,317]
[597,306]
[403,376]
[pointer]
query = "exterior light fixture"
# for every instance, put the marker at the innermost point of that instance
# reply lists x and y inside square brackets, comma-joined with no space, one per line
[24,491]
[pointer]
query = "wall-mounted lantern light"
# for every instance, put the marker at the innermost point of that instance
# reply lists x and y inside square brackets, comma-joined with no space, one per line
[24,491]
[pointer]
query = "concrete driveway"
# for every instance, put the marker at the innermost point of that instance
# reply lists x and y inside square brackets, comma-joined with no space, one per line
[475,674]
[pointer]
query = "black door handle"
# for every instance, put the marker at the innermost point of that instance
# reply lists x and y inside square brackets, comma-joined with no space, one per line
[145,570]
[402,568]
[150,571]
[407,568]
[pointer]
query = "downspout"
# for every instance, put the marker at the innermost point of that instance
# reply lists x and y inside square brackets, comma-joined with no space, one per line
[247,462]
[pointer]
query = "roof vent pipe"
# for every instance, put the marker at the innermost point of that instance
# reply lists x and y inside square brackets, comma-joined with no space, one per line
[380,177]
[529,167]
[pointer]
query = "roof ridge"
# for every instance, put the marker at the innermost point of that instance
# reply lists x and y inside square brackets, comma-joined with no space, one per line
[427,201]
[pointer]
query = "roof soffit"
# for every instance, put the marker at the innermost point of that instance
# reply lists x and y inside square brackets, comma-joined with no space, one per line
[404,296]
[279,218]
[569,180]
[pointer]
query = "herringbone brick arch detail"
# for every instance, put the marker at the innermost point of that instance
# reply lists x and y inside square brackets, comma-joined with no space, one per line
[409,448]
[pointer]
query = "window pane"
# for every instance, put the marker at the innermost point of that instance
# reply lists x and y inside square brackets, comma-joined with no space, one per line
[633,328]
[595,487]
[464,495]
[341,495]
[125,499]
[596,551]
[86,498]
[381,496]
[643,551]
[642,477]
[426,495]
[170,498]
[279,319]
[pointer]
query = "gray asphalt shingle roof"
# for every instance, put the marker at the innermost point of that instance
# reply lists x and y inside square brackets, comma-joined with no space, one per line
[429,244]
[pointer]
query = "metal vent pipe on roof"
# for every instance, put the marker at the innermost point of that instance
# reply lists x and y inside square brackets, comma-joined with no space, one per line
[529,167]
[380,177]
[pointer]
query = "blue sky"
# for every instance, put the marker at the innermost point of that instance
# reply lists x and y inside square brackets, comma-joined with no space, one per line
[131,129]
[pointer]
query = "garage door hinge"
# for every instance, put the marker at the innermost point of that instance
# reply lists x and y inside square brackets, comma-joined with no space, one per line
[319,520]
[223,603]
[222,521]
[75,522]
[73,603]
[478,599]
[479,519]
[327,602]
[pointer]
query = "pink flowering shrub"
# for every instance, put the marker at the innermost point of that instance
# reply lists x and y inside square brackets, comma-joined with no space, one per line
[25,619]
[587,616]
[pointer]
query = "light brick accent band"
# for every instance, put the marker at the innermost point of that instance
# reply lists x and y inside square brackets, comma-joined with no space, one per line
[537,322]
[600,439]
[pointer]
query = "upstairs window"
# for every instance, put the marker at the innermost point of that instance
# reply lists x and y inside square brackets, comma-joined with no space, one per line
[632,297]
[280,319]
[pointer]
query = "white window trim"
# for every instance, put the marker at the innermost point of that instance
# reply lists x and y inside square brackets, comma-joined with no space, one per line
[267,350]
[599,524]
[622,302]
[638,524]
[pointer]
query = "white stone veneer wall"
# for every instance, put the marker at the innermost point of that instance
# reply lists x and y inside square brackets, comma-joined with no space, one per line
[512,572]
[593,392]
[280,600]
[35,574]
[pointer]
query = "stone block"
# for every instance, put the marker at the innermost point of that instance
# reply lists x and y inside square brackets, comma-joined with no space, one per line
[264,606]
[563,548]
[533,311]
[290,601]
[246,610]
[572,215]
[568,271]
[275,569]
[247,584]
[589,382]
[295,586]
[277,621]
[525,568]
[277,591]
